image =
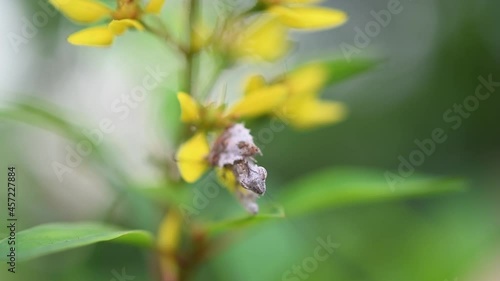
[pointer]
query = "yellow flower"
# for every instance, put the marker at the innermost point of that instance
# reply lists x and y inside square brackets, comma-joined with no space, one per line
[294,99]
[192,156]
[227,178]
[265,38]
[169,238]
[301,14]
[302,108]
[262,101]
[307,111]
[126,15]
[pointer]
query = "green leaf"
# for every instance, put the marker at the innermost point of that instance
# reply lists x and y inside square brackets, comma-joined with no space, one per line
[52,238]
[340,70]
[338,187]
[245,221]
[43,114]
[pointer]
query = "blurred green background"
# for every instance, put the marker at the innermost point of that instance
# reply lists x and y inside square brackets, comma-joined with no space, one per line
[433,53]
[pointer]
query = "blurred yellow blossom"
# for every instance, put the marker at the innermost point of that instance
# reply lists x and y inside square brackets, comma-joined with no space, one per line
[302,108]
[231,154]
[126,15]
[192,156]
[265,38]
[302,15]
[169,236]
[293,98]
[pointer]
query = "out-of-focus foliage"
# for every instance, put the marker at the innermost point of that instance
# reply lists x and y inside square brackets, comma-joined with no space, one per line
[52,238]
[433,53]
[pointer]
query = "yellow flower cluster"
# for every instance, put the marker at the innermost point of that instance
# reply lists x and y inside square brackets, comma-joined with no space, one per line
[260,32]
[127,15]
[266,36]
[293,99]
[302,14]
[301,108]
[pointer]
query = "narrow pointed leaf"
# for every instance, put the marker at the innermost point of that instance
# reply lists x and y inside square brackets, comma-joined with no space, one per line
[245,221]
[57,237]
[340,70]
[338,187]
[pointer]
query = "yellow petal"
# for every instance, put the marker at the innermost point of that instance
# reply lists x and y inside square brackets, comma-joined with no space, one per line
[307,79]
[190,110]
[169,234]
[265,39]
[154,6]
[191,158]
[120,26]
[310,112]
[84,11]
[169,230]
[227,178]
[260,102]
[309,17]
[253,83]
[99,36]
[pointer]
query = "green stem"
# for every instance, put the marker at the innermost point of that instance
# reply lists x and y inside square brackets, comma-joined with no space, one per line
[163,34]
[190,60]
[215,75]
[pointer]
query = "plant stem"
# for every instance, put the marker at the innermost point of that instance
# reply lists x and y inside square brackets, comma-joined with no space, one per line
[190,67]
[162,33]
[214,76]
